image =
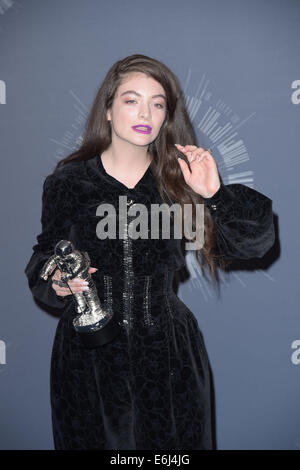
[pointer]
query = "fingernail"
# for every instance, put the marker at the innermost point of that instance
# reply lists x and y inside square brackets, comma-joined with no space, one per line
[179,158]
[77,280]
[85,283]
[85,288]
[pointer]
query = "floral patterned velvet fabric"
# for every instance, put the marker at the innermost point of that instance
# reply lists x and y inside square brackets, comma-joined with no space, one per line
[149,388]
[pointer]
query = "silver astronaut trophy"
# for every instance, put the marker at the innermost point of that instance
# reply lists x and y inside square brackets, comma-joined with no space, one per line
[94,325]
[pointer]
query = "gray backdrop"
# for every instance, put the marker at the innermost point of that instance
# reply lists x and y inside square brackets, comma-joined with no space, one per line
[238,62]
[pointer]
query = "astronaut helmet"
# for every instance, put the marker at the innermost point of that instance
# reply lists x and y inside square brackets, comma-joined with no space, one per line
[63,248]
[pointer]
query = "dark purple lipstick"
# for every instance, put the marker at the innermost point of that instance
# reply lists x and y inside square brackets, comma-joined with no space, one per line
[142,128]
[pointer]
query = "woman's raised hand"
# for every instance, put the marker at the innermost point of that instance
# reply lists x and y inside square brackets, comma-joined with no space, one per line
[77,284]
[203,177]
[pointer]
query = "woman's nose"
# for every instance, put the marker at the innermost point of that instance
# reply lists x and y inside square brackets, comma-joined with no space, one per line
[144,112]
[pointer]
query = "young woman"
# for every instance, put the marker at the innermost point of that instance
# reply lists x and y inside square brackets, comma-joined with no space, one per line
[149,388]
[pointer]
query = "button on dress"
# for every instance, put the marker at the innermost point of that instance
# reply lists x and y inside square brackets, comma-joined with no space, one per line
[149,388]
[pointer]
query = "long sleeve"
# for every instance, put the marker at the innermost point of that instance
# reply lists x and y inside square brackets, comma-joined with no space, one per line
[56,223]
[244,222]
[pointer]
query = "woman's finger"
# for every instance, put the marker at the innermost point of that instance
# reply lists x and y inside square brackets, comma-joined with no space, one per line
[92,270]
[56,275]
[63,291]
[75,286]
[186,148]
[200,155]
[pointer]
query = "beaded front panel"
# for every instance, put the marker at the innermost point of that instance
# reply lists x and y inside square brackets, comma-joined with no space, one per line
[134,297]
[107,280]
[128,277]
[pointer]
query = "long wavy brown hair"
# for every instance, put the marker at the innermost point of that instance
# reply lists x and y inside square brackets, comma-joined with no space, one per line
[177,128]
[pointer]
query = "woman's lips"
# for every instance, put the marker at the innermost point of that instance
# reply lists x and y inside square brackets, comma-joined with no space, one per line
[142,129]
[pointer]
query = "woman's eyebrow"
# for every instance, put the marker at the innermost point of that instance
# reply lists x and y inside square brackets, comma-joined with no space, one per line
[138,94]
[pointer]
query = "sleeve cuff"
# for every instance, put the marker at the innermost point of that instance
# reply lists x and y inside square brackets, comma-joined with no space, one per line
[214,201]
[44,292]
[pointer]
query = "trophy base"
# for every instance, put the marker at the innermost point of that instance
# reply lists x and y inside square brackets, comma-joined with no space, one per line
[102,336]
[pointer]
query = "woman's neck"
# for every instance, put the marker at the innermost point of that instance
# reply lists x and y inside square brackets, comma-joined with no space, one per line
[119,161]
[127,170]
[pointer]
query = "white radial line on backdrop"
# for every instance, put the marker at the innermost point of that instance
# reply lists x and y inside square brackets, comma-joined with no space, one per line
[241,123]
[267,275]
[197,279]
[245,177]
[78,99]
[234,153]
[239,279]
[193,103]
[69,139]
[61,144]
[187,81]
[224,277]
[204,88]
[196,283]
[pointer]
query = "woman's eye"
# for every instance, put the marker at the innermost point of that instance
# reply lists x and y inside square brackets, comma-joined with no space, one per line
[132,101]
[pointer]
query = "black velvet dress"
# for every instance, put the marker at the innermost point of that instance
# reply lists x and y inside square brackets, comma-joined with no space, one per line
[149,388]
